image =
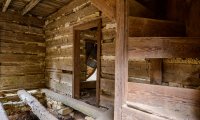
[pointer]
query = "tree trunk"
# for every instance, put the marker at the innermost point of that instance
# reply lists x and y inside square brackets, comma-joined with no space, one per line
[3,115]
[85,108]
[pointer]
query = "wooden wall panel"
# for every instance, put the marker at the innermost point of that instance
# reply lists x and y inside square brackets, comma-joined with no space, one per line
[59,41]
[164,101]
[22,52]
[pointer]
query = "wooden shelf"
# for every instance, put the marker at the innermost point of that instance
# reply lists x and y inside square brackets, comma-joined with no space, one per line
[163,47]
[146,27]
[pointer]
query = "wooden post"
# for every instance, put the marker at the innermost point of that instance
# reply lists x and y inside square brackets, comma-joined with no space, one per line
[3,115]
[121,62]
[38,109]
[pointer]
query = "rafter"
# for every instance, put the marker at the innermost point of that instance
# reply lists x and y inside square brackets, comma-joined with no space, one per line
[30,6]
[5,5]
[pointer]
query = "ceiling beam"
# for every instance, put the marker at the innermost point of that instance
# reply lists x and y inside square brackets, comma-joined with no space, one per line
[30,6]
[5,5]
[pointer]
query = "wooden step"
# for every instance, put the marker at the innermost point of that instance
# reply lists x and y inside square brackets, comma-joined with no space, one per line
[146,27]
[138,10]
[163,47]
[170,103]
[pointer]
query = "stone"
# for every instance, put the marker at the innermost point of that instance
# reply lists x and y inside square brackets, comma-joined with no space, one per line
[65,111]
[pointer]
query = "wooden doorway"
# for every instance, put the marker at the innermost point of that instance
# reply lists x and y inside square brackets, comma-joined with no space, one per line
[95,24]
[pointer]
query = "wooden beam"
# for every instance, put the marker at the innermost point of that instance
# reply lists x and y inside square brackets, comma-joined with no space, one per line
[3,114]
[5,5]
[30,6]
[164,47]
[37,108]
[167,102]
[121,62]
[156,71]
[106,6]
[154,28]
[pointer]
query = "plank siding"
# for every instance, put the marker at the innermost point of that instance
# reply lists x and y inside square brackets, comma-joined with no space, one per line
[22,52]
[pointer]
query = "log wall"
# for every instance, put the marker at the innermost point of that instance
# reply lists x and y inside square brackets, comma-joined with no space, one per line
[22,52]
[59,40]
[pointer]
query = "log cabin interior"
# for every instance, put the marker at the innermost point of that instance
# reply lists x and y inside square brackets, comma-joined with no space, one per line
[99,60]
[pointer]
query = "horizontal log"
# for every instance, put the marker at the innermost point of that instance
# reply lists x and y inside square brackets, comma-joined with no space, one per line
[22,48]
[163,47]
[29,85]
[72,18]
[64,51]
[161,28]
[37,108]
[21,29]
[23,20]
[60,41]
[3,113]
[59,77]
[9,36]
[66,9]
[165,101]
[21,58]
[7,81]
[21,70]
[63,88]
[107,7]
[108,49]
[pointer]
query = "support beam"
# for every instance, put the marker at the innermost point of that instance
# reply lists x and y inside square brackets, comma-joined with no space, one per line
[121,61]
[5,5]
[85,108]
[37,108]
[30,6]
[3,115]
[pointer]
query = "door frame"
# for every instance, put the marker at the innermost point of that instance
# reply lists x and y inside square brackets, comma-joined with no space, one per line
[76,57]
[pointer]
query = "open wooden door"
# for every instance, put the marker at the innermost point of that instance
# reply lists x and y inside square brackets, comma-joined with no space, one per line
[76,57]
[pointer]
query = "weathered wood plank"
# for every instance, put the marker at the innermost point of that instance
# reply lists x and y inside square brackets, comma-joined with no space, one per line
[10,81]
[66,9]
[108,87]
[9,36]
[156,71]
[131,113]
[108,7]
[5,5]
[121,63]
[165,101]
[22,48]
[161,28]
[164,47]
[21,58]
[21,70]
[30,6]
[12,17]
[21,29]
[72,18]
[60,77]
